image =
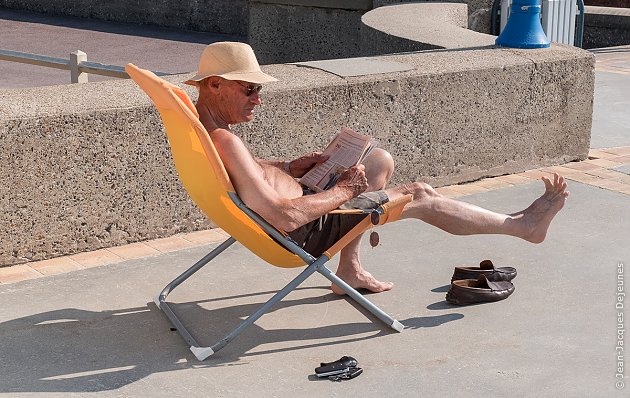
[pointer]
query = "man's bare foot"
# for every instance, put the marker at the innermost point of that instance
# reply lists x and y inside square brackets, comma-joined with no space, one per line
[536,218]
[360,279]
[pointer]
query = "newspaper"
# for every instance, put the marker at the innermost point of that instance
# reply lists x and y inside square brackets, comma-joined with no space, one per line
[347,149]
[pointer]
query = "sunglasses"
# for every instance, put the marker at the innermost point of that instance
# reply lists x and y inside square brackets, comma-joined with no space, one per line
[251,88]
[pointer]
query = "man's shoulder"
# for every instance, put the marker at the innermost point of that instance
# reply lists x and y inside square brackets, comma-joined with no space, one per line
[221,133]
[230,147]
[224,137]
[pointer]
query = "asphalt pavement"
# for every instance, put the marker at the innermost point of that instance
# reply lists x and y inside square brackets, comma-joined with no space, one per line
[153,48]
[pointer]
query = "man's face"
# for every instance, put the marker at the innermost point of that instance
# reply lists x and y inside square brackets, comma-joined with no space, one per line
[239,99]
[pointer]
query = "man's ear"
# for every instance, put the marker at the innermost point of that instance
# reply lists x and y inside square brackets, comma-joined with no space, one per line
[214,83]
[210,83]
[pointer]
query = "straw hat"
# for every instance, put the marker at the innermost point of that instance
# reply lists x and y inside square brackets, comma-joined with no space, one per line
[231,61]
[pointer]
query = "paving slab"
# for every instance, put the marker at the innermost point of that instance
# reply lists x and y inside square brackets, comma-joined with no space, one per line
[611,121]
[96,332]
[624,169]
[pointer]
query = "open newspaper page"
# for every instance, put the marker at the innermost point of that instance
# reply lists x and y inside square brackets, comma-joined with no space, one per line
[347,149]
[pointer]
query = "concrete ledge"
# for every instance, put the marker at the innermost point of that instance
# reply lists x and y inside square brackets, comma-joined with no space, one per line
[285,31]
[479,11]
[606,27]
[417,26]
[607,17]
[87,166]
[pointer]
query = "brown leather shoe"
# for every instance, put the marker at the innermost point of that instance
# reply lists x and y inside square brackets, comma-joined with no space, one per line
[471,291]
[485,268]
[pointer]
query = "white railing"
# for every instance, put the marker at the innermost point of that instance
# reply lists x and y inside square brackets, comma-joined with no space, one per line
[559,20]
[78,65]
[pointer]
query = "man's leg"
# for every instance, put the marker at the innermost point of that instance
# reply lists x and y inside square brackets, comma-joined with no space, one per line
[379,167]
[462,218]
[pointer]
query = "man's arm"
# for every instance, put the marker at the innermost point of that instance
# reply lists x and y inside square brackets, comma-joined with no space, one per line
[282,212]
[298,167]
[275,163]
[307,208]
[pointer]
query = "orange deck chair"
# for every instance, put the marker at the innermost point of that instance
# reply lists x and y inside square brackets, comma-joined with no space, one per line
[202,173]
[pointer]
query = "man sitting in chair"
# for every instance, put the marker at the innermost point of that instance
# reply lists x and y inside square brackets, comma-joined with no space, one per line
[229,80]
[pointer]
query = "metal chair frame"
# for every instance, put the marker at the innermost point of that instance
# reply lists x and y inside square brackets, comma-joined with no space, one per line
[313,265]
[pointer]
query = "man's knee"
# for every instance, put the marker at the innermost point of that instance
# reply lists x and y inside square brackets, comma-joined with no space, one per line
[421,190]
[384,158]
[379,167]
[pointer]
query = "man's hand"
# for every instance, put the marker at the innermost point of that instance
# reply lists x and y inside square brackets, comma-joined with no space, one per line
[353,179]
[300,166]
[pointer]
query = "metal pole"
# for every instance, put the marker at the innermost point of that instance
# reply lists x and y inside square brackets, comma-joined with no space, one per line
[579,35]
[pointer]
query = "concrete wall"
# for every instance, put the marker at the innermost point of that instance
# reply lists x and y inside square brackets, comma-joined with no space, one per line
[608,3]
[606,27]
[285,31]
[217,16]
[88,166]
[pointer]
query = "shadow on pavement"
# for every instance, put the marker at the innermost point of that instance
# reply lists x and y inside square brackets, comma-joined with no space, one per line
[75,350]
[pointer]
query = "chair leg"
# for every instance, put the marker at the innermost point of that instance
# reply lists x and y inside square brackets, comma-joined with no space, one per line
[190,271]
[203,352]
[268,305]
[359,298]
[160,299]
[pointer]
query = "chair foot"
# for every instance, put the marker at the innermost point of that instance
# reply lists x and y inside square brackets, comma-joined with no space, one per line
[202,352]
[156,300]
[397,326]
[360,299]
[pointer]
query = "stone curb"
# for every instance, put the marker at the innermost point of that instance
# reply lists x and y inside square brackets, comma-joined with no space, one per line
[111,255]
[598,170]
